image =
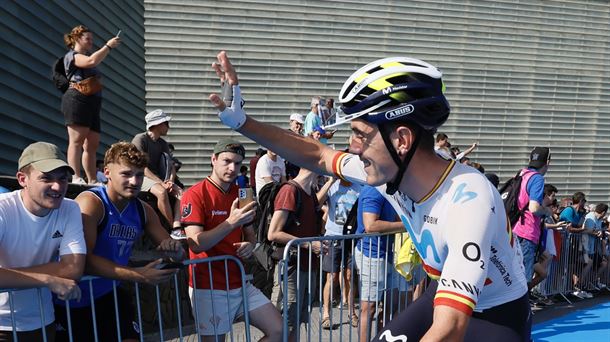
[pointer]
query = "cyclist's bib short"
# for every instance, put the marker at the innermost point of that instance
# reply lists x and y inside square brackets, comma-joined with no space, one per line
[462,234]
[504,323]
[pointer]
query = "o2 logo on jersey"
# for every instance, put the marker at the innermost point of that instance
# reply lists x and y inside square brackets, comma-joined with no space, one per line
[472,252]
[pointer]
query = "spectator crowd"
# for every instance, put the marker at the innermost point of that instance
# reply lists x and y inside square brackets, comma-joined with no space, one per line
[49,241]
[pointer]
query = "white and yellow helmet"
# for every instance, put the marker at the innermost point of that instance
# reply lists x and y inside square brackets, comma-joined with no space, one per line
[395,89]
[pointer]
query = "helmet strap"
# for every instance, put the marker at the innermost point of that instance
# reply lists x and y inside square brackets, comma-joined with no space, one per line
[386,131]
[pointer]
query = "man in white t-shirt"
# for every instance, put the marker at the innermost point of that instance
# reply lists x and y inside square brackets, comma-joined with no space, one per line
[41,243]
[270,168]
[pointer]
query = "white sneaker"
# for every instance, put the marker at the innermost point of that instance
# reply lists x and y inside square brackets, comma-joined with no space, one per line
[601,285]
[78,180]
[587,294]
[578,294]
[178,234]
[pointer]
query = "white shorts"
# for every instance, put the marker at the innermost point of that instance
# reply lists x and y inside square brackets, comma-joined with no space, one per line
[216,315]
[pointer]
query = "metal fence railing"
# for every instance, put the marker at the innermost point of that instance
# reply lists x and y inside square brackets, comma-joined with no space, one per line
[573,268]
[577,267]
[172,297]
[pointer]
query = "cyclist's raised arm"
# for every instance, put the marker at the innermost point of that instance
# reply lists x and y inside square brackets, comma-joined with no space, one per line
[297,149]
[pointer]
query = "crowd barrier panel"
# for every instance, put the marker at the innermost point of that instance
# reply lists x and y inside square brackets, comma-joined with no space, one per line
[558,282]
[300,248]
[160,331]
[569,265]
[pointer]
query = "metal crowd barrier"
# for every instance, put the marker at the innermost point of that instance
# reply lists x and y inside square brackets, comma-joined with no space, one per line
[565,272]
[559,281]
[175,296]
[391,302]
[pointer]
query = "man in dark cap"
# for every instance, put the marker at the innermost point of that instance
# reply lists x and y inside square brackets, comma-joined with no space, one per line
[215,225]
[530,199]
[41,244]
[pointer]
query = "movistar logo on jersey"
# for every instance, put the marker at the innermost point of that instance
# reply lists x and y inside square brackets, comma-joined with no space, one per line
[400,111]
[387,335]
[423,242]
[463,196]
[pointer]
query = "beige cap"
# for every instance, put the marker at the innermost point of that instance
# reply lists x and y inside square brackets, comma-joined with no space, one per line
[43,157]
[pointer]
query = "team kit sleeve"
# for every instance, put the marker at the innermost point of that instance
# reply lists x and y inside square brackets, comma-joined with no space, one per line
[192,208]
[73,240]
[468,239]
[349,167]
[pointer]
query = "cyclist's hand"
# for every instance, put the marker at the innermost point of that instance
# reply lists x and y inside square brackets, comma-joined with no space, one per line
[231,112]
[150,274]
[65,289]
[241,216]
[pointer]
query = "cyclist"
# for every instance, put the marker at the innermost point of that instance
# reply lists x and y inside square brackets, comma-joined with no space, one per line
[455,217]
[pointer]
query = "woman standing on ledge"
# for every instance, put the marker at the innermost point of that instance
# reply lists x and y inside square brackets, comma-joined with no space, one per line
[82,102]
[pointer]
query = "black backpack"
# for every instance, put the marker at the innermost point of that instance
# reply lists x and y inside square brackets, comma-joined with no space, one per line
[510,196]
[60,79]
[266,252]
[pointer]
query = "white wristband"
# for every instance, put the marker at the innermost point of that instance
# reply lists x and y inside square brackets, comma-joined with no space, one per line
[234,115]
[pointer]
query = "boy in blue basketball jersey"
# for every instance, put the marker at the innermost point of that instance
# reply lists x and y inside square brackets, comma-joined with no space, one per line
[113,219]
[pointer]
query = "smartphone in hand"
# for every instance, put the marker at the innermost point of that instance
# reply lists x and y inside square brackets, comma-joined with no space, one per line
[245,196]
[118,34]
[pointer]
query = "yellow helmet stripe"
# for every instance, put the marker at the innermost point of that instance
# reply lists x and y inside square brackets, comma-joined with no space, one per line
[392,64]
[361,77]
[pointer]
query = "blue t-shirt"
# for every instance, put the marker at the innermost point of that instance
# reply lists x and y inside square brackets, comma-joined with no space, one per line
[535,187]
[372,201]
[242,181]
[311,121]
[570,215]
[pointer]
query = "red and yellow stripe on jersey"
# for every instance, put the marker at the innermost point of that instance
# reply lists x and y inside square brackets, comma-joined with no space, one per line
[454,300]
[338,163]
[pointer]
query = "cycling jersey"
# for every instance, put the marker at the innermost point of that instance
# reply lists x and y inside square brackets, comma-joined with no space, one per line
[461,232]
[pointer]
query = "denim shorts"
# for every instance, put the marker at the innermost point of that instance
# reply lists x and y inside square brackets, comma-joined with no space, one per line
[528,249]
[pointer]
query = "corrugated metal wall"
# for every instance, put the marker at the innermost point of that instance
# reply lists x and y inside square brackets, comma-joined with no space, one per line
[31,36]
[518,74]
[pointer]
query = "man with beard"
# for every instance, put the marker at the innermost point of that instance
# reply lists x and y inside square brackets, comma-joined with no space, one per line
[216,226]
[113,219]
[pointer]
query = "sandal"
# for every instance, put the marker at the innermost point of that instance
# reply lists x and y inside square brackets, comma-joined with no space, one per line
[354,320]
[326,323]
